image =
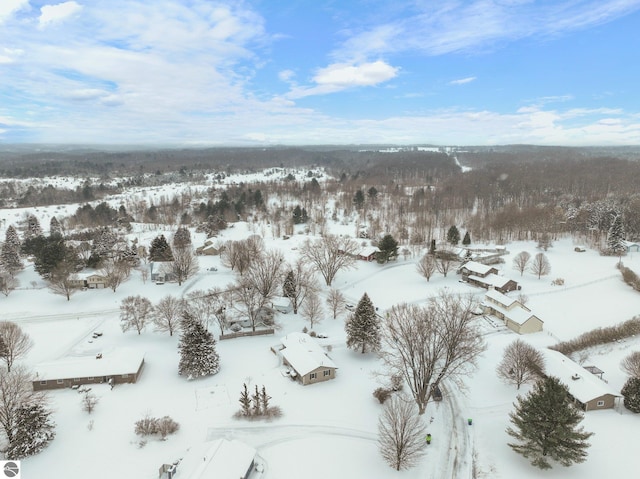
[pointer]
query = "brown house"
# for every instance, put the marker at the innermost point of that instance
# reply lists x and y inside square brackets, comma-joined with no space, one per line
[474,268]
[588,391]
[96,281]
[306,357]
[113,367]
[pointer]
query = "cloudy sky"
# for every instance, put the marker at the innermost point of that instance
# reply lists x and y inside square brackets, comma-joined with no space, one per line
[254,72]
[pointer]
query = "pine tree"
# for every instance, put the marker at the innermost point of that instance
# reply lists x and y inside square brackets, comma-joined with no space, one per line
[33,227]
[631,394]
[289,286]
[388,247]
[545,424]
[264,399]
[54,227]
[198,355]
[160,250]
[10,252]
[33,431]
[615,237]
[245,401]
[297,215]
[432,247]
[453,235]
[257,403]
[363,327]
[466,241]
[358,199]
[182,238]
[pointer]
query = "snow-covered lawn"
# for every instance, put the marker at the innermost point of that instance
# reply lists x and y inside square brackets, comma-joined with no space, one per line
[327,429]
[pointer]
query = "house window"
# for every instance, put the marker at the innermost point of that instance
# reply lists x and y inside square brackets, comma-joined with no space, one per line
[326,372]
[90,378]
[60,381]
[313,376]
[600,403]
[125,375]
[42,383]
[77,380]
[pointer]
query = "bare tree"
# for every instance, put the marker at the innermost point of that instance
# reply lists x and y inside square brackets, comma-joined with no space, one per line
[312,309]
[265,273]
[428,344]
[249,302]
[167,314]
[336,301]
[330,255]
[115,272]
[16,342]
[184,264]
[135,312]
[299,282]
[238,255]
[7,283]
[631,364]
[401,433]
[427,266]
[540,265]
[89,401]
[444,263]
[61,280]
[521,363]
[144,273]
[15,391]
[521,261]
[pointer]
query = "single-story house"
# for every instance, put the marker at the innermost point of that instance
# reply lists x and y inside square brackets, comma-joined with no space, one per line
[115,367]
[160,271]
[307,358]
[209,247]
[587,390]
[368,253]
[282,304]
[493,281]
[474,268]
[219,459]
[631,246]
[516,316]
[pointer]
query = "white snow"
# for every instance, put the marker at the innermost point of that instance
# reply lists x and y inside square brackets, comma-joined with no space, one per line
[327,429]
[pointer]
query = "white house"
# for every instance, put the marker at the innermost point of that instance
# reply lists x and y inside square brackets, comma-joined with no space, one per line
[219,459]
[307,358]
[514,314]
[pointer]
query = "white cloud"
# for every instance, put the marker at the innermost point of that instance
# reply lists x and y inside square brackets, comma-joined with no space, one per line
[341,76]
[9,7]
[462,81]
[286,75]
[50,14]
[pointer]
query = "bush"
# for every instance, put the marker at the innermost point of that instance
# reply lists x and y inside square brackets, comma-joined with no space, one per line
[630,277]
[148,426]
[382,394]
[631,394]
[600,336]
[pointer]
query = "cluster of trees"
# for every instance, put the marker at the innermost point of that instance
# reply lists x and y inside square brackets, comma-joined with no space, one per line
[256,405]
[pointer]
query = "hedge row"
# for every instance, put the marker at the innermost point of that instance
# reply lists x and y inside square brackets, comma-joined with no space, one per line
[600,336]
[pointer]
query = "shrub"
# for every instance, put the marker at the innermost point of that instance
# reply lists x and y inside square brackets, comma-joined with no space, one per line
[148,426]
[631,394]
[382,394]
[600,336]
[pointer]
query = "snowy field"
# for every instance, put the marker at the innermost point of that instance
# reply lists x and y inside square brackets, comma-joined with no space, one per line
[327,430]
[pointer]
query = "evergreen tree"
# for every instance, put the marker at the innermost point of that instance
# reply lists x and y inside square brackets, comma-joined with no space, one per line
[466,241]
[615,237]
[257,402]
[453,236]
[363,327]
[289,286]
[388,247]
[103,244]
[54,227]
[245,401]
[545,424]
[198,355]
[264,399]
[160,250]
[432,247]
[358,199]
[33,228]
[297,215]
[631,394]
[182,238]
[10,252]
[33,431]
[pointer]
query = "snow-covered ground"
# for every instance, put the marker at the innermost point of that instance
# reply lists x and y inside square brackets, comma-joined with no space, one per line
[327,429]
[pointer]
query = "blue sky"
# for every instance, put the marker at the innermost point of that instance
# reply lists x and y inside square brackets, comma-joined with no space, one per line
[262,72]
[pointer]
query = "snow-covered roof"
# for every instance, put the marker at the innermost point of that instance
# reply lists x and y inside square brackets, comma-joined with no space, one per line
[281,301]
[223,459]
[585,387]
[491,279]
[368,251]
[304,354]
[112,363]
[475,267]
[500,298]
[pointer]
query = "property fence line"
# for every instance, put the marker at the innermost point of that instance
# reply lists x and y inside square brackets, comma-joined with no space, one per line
[259,332]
